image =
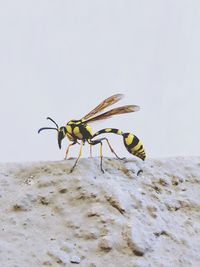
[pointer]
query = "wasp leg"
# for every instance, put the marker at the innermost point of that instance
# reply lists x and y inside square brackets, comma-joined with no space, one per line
[79,155]
[90,151]
[101,156]
[95,142]
[67,151]
[112,150]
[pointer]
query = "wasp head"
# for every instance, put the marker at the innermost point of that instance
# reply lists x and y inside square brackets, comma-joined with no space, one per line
[61,134]
[61,131]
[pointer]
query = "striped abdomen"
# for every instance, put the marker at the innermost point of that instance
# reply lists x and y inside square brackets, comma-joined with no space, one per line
[131,142]
[134,145]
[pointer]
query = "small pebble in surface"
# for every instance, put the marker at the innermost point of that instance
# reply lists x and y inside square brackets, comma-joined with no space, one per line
[75,259]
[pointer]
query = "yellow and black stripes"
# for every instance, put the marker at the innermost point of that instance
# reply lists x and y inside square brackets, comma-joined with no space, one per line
[78,130]
[134,145]
[108,130]
[131,142]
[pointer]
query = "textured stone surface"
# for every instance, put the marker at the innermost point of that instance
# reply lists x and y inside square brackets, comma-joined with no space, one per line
[136,214]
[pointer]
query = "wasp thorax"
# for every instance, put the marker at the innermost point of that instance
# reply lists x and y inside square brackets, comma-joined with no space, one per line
[74,122]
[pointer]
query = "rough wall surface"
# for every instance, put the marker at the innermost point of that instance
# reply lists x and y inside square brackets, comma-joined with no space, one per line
[135,215]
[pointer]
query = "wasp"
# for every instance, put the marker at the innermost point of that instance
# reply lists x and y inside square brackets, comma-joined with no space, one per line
[80,130]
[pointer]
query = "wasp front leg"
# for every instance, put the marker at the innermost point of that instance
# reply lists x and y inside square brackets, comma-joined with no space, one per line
[79,155]
[67,151]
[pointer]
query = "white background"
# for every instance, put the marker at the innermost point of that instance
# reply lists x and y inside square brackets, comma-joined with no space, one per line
[61,58]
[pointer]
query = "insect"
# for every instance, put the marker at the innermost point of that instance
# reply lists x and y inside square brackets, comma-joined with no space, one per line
[80,130]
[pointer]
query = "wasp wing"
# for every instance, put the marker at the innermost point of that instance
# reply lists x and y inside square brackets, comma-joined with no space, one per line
[104,104]
[115,111]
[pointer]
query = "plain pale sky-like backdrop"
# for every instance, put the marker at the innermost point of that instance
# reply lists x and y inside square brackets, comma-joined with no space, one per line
[60,58]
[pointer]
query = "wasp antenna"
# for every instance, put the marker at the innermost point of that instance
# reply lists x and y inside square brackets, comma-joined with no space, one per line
[47,128]
[48,118]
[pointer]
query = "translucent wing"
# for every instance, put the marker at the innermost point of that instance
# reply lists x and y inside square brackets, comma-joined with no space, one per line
[104,104]
[115,111]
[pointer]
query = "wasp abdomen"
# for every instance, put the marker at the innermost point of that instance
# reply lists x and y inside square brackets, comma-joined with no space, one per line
[131,142]
[134,145]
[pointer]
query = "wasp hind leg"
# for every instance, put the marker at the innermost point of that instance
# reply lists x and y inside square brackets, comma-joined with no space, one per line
[99,141]
[112,150]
